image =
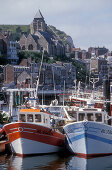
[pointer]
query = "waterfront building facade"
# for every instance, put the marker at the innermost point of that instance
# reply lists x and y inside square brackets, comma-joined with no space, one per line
[98,65]
[12,55]
[51,75]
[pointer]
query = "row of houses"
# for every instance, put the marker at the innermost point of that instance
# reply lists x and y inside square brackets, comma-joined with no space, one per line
[52,75]
[9,48]
[26,74]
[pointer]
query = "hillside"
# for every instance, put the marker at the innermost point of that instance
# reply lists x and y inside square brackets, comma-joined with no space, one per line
[18,30]
[15,30]
[66,39]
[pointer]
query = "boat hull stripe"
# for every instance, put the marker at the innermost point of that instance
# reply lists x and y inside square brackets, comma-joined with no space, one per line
[78,137]
[34,133]
[89,156]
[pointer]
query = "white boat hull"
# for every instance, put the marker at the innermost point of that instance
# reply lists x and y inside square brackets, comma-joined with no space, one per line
[23,146]
[28,139]
[89,139]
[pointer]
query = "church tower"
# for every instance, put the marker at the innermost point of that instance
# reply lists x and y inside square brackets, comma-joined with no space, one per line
[38,23]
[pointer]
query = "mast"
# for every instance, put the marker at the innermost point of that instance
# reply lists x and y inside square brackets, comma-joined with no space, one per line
[93,81]
[38,78]
[64,93]
[54,82]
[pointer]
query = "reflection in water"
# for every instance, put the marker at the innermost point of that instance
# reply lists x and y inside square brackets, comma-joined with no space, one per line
[48,162]
[6,162]
[37,162]
[55,162]
[101,163]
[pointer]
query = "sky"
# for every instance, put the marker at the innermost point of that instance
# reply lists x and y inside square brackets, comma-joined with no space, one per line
[88,22]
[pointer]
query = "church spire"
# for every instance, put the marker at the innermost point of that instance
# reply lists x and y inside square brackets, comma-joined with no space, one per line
[39,15]
[38,23]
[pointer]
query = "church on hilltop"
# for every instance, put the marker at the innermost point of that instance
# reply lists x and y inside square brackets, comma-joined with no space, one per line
[41,38]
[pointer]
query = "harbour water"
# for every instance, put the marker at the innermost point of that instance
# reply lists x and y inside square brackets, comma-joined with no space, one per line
[54,162]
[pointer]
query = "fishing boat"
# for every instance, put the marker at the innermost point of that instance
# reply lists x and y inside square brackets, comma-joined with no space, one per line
[34,133]
[90,136]
[81,98]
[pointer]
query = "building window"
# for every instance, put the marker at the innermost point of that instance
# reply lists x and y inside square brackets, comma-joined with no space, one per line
[30,47]
[23,47]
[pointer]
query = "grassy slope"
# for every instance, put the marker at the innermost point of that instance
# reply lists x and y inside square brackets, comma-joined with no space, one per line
[19,29]
[13,28]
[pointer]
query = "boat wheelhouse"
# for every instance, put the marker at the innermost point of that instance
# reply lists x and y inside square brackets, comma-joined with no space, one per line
[34,116]
[92,114]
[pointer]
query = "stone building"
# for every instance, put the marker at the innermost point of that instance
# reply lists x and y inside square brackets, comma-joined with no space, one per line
[3,45]
[98,65]
[1,75]
[38,23]
[8,74]
[109,60]
[8,48]
[24,80]
[12,55]
[23,75]
[55,75]
[12,72]
[40,39]
[98,51]
[26,74]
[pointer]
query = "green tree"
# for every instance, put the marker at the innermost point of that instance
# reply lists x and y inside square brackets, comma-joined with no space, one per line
[3,60]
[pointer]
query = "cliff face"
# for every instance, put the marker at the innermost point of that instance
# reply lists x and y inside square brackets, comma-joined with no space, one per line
[66,39]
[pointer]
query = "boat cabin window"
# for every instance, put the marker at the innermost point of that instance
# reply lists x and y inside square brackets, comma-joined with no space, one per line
[37,118]
[30,118]
[90,117]
[81,116]
[98,117]
[22,118]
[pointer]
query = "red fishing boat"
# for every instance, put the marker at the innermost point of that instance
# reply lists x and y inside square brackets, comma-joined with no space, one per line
[34,133]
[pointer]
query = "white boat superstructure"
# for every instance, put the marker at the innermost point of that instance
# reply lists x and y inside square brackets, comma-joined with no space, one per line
[84,99]
[60,112]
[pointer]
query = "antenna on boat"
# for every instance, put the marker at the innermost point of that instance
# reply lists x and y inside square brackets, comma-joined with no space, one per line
[64,93]
[93,81]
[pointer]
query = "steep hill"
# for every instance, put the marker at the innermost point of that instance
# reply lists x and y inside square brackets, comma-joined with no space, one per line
[15,30]
[66,39]
[18,30]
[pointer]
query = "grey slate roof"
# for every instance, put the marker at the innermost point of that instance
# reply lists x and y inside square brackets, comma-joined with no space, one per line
[47,36]
[23,76]
[35,37]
